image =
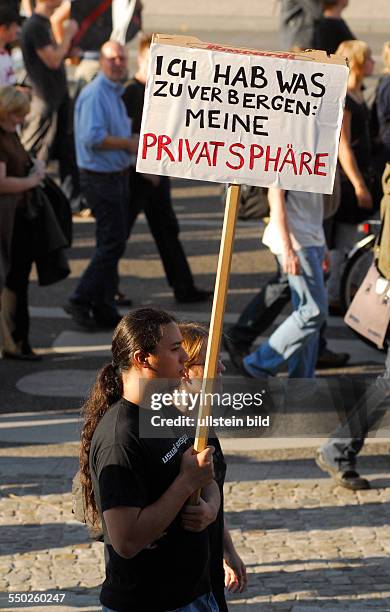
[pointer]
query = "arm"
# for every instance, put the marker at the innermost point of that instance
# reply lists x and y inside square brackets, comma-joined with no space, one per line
[110,143]
[53,55]
[277,204]
[197,518]
[26,5]
[57,20]
[235,570]
[132,529]
[13,184]
[349,165]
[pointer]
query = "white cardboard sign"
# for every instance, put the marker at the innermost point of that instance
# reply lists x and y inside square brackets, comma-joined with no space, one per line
[241,116]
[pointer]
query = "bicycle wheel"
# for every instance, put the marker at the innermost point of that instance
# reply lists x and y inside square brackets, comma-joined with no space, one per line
[355,270]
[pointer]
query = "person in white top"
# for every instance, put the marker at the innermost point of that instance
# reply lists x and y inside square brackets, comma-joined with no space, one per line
[295,235]
[9,29]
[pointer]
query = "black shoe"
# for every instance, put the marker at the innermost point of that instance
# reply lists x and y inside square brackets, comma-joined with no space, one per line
[25,355]
[349,479]
[80,315]
[122,300]
[329,359]
[236,352]
[193,295]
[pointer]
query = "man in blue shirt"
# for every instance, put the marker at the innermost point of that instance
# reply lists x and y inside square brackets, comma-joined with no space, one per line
[104,147]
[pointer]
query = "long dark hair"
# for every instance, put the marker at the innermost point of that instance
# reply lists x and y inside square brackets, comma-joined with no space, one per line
[140,329]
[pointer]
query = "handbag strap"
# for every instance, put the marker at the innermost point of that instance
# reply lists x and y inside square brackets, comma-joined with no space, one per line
[86,23]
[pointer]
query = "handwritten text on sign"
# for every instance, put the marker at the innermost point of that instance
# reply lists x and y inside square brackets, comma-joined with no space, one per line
[251,118]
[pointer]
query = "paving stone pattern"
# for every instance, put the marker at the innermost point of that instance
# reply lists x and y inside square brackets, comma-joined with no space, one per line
[308,545]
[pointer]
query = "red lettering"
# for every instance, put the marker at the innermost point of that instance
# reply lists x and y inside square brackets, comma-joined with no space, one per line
[163,142]
[180,150]
[216,144]
[269,159]
[191,152]
[237,154]
[319,164]
[147,144]
[306,157]
[253,156]
[289,158]
[204,152]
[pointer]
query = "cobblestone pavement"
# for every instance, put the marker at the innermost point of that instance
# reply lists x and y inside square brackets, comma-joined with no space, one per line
[308,545]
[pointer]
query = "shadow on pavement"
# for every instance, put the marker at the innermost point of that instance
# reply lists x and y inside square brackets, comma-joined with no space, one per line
[321,518]
[24,538]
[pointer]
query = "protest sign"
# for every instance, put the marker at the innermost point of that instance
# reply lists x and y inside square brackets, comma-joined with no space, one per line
[242,116]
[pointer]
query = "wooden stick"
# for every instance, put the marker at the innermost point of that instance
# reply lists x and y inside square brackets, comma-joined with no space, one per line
[217,316]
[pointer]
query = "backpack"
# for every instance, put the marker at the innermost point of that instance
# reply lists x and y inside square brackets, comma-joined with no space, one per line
[253,202]
[79,511]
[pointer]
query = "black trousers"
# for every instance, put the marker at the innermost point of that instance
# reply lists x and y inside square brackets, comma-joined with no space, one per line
[18,275]
[157,205]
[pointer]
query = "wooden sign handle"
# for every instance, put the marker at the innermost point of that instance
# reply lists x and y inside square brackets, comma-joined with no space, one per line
[216,322]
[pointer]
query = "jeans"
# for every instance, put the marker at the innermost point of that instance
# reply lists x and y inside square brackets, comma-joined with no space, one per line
[262,311]
[108,197]
[204,603]
[347,440]
[296,339]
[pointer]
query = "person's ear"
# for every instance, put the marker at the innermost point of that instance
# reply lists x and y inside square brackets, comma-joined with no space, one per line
[185,375]
[140,359]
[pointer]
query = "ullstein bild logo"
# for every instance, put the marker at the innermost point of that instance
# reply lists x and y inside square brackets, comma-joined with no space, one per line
[211,421]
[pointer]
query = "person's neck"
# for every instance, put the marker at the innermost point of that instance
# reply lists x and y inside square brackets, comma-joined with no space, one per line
[354,83]
[135,385]
[44,10]
[333,13]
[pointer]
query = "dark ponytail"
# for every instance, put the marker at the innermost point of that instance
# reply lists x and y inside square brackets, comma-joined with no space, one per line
[106,391]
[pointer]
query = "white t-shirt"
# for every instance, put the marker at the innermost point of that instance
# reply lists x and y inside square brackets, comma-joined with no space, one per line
[305,213]
[7,75]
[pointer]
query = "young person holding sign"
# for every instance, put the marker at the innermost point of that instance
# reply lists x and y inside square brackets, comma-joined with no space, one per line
[157,559]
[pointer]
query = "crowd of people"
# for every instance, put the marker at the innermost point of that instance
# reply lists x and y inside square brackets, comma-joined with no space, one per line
[137,487]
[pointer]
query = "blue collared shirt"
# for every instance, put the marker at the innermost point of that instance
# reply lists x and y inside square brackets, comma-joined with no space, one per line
[100,112]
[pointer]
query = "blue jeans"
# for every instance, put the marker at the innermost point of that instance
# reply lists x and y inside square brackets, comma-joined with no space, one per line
[262,311]
[347,440]
[108,198]
[204,603]
[296,339]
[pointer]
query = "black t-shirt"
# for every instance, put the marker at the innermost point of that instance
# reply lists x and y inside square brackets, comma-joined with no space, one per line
[48,84]
[360,132]
[329,33]
[99,29]
[133,98]
[131,471]
[348,211]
